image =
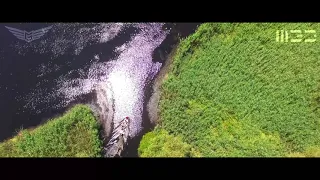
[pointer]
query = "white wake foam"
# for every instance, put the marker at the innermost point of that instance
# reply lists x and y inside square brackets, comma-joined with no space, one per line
[122,78]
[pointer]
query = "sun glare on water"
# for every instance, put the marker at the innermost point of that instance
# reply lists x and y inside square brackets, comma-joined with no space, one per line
[126,94]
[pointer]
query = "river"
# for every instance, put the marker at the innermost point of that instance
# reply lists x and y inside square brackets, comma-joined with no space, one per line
[105,65]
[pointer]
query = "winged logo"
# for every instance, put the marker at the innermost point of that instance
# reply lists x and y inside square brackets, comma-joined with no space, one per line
[28,36]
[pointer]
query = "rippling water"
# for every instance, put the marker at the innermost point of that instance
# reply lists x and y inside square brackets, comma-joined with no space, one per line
[106,65]
[43,77]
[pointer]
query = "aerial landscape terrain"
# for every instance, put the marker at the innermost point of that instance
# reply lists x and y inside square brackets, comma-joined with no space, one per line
[161,90]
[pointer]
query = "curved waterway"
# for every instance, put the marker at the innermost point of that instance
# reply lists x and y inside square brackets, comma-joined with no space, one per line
[110,66]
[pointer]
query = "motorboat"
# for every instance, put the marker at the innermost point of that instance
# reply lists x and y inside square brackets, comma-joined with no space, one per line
[119,138]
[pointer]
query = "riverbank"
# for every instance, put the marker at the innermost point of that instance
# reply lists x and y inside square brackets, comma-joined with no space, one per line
[153,104]
[99,108]
[233,91]
[159,138]
[74,134]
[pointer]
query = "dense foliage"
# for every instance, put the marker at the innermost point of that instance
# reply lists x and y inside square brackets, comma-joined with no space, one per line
[75,134]
[234,91]
[160,144]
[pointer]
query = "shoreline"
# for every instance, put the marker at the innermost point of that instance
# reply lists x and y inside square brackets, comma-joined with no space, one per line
[153,93]
[153,104]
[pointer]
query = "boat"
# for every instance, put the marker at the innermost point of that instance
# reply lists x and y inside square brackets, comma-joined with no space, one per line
[119,139]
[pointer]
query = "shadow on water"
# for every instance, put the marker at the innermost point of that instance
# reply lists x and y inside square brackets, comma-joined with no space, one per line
[178,31]
[160,54]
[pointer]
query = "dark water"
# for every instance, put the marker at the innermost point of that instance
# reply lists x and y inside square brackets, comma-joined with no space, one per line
[19,75]
[41,79]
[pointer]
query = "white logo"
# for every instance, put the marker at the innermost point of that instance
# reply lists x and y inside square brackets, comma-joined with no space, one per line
[28,36]
[295,36]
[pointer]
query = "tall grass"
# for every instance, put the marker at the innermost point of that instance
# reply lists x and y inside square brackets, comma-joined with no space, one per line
[239,71]
[75,134]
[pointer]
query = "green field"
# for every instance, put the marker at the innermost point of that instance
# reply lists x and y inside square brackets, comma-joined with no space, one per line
[75,134]
[233,91]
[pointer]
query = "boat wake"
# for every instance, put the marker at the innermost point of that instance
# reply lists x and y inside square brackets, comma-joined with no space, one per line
[117,84]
